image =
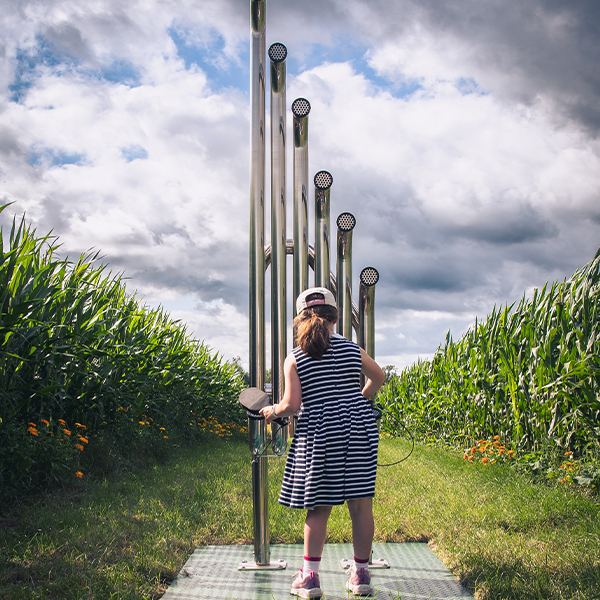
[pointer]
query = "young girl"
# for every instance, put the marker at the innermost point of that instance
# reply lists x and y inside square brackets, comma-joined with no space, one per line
[333,456]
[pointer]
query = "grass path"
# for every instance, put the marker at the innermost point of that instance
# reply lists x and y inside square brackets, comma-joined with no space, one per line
[127,537]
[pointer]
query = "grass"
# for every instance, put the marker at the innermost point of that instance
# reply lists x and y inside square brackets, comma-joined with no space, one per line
[127,537]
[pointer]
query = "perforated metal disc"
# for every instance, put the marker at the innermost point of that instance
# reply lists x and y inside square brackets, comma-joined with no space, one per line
[300,107]
[369,276]
[323,180]
[277,52]
[346,221]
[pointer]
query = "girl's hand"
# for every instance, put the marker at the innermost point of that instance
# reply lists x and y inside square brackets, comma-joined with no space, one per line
[267,413]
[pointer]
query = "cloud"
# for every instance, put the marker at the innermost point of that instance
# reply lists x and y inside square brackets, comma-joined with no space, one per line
[461,135]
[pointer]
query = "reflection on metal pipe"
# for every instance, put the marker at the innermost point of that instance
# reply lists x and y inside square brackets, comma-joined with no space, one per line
[369,276]
[345,224]
[323,182]
[277,56]
[300,110]
[257,429]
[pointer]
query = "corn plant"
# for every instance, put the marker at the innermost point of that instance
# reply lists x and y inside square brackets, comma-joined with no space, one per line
[529,373]
[76,348]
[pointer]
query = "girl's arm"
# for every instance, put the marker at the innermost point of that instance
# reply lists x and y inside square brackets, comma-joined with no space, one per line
[373,373]
[292,396]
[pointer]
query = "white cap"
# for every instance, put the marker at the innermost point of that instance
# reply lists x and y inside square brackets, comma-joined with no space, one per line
[314,297]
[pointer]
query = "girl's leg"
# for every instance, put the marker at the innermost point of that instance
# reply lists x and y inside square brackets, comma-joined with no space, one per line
[363,526]
[315,529]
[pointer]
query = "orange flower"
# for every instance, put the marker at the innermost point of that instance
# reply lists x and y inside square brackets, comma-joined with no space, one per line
[33,431]
[83,439]
[62,422]
[45,422]
[79,474]
[81,426]
[166,437]
[79,447]
[496,437]
[67,432]
[473,450]
[485,460]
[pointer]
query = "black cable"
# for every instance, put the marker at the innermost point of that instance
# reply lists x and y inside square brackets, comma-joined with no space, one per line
[378,407]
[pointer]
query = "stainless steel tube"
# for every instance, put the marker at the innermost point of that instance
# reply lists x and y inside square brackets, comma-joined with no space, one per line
[345,224]
[369,276]
[277,56]
[323,182]
[300,110]
[257,196]
[257,431]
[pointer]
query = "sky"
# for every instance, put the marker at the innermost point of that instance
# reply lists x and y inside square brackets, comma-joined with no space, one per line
[463,136]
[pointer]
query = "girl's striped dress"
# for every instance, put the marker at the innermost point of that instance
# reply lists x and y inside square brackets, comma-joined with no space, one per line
[333,456]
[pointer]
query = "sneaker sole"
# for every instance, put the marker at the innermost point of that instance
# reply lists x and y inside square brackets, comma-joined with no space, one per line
[360,590]
[314,593]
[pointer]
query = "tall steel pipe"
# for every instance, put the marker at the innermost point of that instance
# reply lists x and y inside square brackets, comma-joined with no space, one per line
[323,182]
[277,56]
[369,276]
[345,224]
[300,110]
[257,430]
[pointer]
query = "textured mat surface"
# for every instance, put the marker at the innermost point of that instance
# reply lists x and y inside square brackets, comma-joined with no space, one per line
[415,572]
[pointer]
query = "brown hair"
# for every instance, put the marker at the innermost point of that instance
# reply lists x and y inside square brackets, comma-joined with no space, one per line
[312,331]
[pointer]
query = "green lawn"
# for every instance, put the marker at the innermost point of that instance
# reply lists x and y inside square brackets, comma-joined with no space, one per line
[127,537]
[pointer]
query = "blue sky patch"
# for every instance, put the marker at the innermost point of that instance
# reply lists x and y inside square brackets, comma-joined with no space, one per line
[53,157]
[222,72]
[343,50]
[134,152]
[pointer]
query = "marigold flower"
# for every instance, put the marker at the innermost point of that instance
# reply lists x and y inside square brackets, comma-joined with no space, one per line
[33,431]
[485,459]
[84,439]
[62,421]
[81,426]
[79,474]
[79,447]
[473,450]
[166,437]
[45,422]
[67,432]
[162,429]
[496,437]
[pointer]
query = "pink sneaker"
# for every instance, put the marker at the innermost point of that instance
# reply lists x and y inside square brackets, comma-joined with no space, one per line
[360,582]
[306,586]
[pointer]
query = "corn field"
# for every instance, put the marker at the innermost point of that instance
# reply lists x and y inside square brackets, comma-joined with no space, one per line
[529,373]
[77,354]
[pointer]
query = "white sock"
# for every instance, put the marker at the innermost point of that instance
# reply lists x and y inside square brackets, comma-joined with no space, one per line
[359,564]
[311,563]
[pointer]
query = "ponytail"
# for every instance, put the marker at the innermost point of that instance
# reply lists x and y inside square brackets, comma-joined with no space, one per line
[312,329]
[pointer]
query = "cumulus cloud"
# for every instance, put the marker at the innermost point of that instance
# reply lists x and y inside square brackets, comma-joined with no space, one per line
[462,136]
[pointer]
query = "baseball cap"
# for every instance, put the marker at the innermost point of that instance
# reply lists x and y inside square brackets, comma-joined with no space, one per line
[314,297]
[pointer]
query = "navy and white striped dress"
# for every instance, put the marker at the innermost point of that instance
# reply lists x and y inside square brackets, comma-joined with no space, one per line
[333,456]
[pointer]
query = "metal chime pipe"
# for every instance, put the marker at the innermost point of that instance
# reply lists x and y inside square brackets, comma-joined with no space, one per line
[345,224]
[369,276]
[323,182]
[277,56]
[300,110]
[257,429]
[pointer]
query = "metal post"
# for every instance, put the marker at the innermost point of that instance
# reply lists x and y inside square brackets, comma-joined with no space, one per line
[323,182]
[300,110]
[277,56]
[345,224]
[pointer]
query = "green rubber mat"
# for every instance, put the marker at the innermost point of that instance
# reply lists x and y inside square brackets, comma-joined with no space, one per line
[212,573]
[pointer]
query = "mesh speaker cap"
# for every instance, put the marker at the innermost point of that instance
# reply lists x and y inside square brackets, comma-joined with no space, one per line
[369,276]
[300,107]
[323,180]
[346,221]
[277,52]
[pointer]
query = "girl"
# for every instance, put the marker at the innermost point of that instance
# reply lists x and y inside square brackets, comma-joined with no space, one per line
[333,456]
